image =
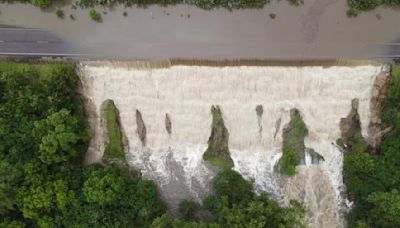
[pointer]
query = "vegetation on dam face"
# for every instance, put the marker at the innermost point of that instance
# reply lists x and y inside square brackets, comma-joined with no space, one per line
[44,183]
[373,180]
[114,149]
[217,152]
[293,147]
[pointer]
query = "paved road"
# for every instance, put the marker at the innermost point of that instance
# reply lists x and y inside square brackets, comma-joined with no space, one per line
[32,42]
[317,30]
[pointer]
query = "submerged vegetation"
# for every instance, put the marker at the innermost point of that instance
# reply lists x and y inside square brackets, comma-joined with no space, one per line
[293,144]
[217,153]
[373,180]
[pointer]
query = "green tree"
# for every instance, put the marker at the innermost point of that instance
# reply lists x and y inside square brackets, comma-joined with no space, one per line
[188,208]
[385,209]
[228,179]
[96,16]
[105,187]
[59,135]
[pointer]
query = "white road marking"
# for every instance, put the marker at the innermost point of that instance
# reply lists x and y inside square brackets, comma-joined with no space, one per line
[42,41]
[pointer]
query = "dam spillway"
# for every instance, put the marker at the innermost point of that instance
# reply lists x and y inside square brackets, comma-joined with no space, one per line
[174,103]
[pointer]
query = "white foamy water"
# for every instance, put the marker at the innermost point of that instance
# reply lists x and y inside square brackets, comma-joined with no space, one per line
[322,95]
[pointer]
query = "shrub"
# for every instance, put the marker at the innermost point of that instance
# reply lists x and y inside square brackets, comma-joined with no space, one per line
[223,183]
[188,208]
[59,13]
[41,3]
[352,12]
[95,15]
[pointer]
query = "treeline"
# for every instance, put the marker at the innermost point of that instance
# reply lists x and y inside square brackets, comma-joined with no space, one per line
[373,180]
[44,183]
[357,6]
[204,4]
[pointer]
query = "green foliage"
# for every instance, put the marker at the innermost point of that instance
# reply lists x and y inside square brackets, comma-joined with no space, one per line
[352,12]
[41,3]
[293,144]
[188,208]
[365,5]
[217,153]
[373,180]
[296,2]
[167,221]
[59,13]
[288,162]
[104,186]
[390,113]
[58,135]
[236,205]
[385,209]
[44,137]
[217,161]
[9,176]
[96,16]
[223,183]
[272,15]
[262,212]
[114,149]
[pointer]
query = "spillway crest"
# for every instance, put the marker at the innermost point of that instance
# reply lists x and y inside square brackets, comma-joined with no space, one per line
[166,119]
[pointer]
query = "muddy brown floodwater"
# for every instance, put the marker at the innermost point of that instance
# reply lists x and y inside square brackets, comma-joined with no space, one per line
[319,29]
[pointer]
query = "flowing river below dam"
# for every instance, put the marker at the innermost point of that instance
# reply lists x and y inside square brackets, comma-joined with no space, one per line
[175,100]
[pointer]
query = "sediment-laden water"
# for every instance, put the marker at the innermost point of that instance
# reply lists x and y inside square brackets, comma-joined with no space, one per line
[172,154]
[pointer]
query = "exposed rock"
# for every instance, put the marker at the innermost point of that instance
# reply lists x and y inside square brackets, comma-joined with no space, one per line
[350,127]
[141,128]
[316,158]
[259,111]
[217,152]
[168,124]
[376,129]
[277,126]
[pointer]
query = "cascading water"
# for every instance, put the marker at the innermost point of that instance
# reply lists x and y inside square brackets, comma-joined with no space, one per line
[175,104]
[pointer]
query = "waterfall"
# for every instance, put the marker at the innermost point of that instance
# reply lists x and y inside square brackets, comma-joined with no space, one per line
[173,158]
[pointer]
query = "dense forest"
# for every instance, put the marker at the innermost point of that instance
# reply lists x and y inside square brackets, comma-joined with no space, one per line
[373,179]
[44,182]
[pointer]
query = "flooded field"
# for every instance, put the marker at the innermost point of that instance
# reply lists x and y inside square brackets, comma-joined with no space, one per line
[319,29]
